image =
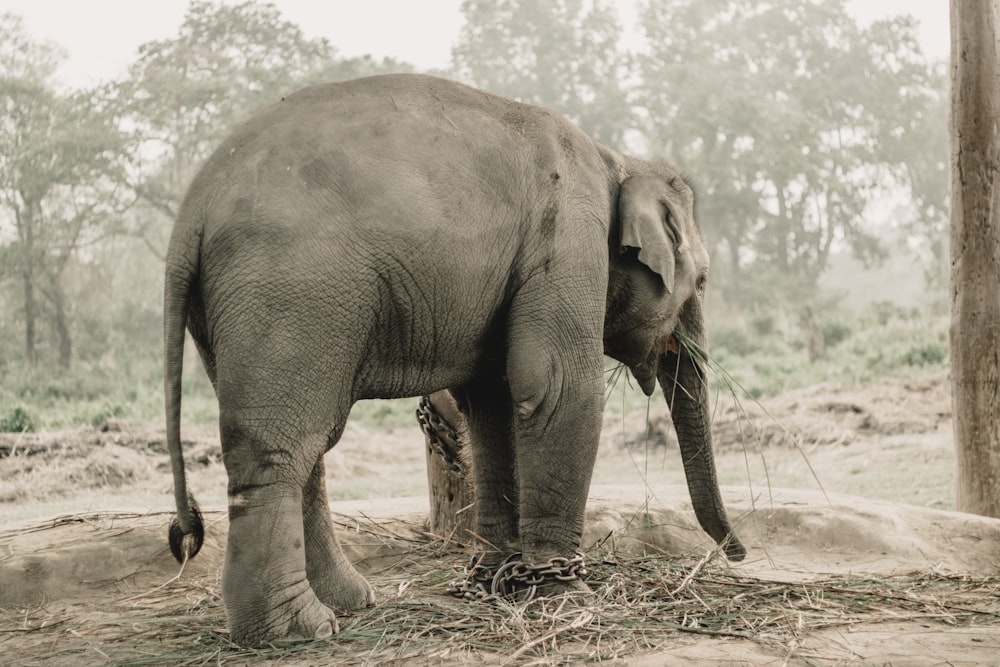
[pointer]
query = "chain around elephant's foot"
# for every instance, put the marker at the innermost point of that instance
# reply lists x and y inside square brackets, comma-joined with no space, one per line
[517,580]
[478,583]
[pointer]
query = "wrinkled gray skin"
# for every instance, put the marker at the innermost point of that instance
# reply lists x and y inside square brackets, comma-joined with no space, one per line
[398,235]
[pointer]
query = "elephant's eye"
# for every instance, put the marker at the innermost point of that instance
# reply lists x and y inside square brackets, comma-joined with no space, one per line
[700,283]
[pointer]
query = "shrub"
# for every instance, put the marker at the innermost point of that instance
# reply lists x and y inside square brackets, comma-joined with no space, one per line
[926,354]
[764,324]
[733,339]
[834,332]
[108,412]
[18,421]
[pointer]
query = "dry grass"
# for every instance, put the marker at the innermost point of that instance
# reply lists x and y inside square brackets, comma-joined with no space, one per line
[32,476]
[640,604]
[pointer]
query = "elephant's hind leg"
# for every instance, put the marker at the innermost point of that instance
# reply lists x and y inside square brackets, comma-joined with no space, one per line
[331,574]
[264,584]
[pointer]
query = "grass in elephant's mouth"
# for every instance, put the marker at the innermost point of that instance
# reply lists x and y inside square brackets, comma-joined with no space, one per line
[726,387]
[729,388]
[642,603]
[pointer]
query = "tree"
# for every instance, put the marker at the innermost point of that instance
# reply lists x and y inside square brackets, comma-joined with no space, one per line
[86,177]
[782,111]
[559,54]
[975,252]
[923,152]
[57,156]
[185,94]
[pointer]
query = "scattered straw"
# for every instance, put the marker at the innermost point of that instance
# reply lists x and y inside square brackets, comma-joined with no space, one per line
[640,604]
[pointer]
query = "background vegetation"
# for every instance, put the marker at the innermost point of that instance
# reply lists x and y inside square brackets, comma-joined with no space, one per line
[817,147]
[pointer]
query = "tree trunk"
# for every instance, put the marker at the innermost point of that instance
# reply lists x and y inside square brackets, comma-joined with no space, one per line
[975,253]
[781,232]
[733,288]
[30,314]
[449,478]
[62,325]
[26,222]
[813,333]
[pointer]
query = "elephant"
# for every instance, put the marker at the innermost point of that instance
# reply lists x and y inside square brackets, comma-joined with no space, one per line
[401,234]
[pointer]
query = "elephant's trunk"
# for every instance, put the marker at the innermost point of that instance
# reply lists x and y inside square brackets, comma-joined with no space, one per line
[683,379]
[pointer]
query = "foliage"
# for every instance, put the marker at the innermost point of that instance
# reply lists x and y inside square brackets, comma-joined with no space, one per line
[861,348]
[794,118]
[922,152]
[795,121]
[80,169]
[22,56]
[185,93]
[60,156]
[108,411]
[128,385]
[791,118]
[835,331]
[19,420]
[561,55]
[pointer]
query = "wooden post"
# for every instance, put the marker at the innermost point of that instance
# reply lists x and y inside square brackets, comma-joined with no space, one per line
[449,478]
[975,253]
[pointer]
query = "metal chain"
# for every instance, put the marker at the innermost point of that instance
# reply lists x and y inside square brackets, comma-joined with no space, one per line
[515,577]
[441,435]
[478,582]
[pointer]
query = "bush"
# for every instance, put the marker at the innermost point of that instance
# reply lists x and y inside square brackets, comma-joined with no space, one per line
[733,339]
[898,348]
[926,354]
[835,332]
[885,312]
[18,421]
[764,325]
[883,342]
[108,412]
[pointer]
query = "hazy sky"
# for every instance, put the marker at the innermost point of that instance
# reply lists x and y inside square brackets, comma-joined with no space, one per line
[102,36]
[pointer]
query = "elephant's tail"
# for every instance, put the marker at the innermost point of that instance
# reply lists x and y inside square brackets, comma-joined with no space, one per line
[187,530]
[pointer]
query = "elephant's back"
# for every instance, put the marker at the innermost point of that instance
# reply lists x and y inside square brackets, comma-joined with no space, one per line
[395,158]
[397,118]
[375,151]
[396,93]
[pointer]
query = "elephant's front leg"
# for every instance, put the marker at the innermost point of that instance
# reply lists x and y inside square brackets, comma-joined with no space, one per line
[264,583]
[557,390]
[331,574]
[486,405]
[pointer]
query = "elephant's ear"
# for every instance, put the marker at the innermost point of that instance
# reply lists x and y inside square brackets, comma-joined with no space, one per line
[648,223]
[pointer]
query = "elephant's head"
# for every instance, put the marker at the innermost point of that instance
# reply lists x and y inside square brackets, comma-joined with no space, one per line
[655,324]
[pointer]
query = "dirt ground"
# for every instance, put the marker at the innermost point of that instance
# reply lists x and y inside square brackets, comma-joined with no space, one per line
[832,577]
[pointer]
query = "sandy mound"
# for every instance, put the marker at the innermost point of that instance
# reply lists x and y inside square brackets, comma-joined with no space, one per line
[934,575]
[820,415]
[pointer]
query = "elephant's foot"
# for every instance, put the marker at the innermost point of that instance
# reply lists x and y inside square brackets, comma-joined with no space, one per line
[298,614]
[332,575]
[344,589]
[577,590]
